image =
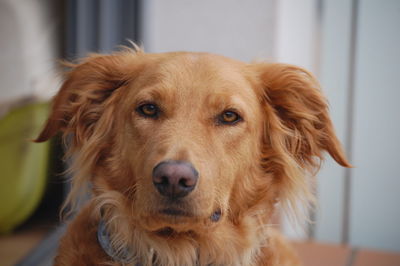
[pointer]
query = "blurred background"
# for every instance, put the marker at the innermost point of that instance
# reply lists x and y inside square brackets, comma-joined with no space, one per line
[351,45]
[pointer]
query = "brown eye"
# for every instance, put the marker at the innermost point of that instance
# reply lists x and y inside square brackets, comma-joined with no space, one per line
[148,110]
[229,118]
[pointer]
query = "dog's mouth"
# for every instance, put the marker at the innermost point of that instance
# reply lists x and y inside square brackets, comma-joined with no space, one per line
[178,215]
[168,232]
[175,212]
[176,223]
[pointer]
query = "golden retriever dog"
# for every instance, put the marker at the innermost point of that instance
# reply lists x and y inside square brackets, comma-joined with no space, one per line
[186,156]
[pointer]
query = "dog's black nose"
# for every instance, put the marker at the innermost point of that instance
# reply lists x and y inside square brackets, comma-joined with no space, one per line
[175,179]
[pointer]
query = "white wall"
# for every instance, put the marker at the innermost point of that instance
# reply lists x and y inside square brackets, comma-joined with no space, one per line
[375,220]
[296,33]
[240,29]
[374,216]
[29,49]
[334,77]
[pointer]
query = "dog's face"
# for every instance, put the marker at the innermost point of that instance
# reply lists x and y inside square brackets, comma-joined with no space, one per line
[188,140]
[190,134]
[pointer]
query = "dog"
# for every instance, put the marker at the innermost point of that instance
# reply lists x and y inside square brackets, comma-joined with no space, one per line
[186,156]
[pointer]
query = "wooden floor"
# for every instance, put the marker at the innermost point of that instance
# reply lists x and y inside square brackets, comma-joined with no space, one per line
[17,245]
[318,254]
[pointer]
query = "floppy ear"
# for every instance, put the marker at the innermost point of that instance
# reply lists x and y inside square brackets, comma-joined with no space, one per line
[301,113]
[84,111]
[297,127]
[80,102]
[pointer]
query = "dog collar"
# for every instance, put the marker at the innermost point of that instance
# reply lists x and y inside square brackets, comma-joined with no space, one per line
[103,237]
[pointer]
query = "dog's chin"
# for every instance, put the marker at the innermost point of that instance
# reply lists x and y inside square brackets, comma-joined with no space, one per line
[177,219]
[174,222]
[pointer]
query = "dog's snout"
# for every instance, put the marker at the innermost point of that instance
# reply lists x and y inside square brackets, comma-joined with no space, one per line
[175,179]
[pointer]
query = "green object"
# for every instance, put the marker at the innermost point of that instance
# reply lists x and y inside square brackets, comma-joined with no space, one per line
[23,164]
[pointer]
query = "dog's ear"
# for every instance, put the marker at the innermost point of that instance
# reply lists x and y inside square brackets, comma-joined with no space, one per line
[298,112]
[80,101]
[297,128]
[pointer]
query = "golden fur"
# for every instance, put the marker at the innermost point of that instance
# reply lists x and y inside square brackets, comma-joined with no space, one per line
[245,168]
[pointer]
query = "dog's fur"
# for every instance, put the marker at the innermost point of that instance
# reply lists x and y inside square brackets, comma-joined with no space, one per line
[245,168]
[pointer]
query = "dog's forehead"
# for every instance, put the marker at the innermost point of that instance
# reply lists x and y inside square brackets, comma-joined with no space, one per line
[208,67]
[198,72]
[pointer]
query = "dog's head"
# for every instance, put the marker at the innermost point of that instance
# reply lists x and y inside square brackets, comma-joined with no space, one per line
[180,141]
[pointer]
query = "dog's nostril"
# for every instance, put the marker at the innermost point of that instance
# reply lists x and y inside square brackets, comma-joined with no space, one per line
[174,179]
[184,182]
[164,180]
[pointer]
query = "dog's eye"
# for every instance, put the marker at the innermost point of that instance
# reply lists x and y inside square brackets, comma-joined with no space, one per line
[229,118]
[148,110]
